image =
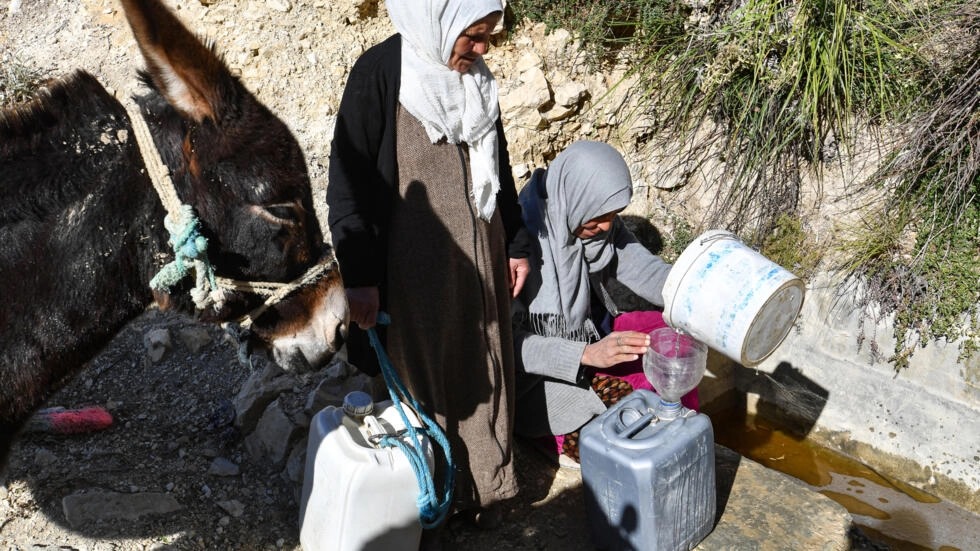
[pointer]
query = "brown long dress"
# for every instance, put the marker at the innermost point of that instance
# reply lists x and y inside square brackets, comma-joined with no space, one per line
[450,337]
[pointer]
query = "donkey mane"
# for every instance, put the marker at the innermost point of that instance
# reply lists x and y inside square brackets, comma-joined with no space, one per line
[54,99]
[49,122]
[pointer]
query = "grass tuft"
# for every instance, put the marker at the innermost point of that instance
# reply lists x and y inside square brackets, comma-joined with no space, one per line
[18,82]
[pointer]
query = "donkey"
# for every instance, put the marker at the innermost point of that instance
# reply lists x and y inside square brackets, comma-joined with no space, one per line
[82,230]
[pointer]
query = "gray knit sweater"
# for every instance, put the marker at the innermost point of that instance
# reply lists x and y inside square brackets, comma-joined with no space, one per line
[548,400]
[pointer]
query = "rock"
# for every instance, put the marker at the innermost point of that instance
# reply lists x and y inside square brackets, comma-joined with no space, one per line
[521,172]
[157,343]
[233,507]
[280,5]
[296,462]
[531,95]
[271,441]
[261,388]
[340,379]
[194,337]
[758,506]
[531,119]
[221,466]
[520,147]
[528,60]
[557,42]
[44,457]
[570,94]
[559,112]
[95,507]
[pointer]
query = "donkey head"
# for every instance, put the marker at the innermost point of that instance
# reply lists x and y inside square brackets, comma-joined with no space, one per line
[243,172]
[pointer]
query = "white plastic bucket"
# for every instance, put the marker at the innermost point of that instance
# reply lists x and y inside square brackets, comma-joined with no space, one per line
[731,298]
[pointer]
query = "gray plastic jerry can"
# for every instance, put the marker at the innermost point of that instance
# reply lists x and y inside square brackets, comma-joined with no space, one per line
[649,483]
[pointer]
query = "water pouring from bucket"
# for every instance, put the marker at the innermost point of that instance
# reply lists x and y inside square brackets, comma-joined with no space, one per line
[674,364]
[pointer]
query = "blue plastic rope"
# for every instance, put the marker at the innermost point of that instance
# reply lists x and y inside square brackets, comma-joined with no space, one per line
[432,510]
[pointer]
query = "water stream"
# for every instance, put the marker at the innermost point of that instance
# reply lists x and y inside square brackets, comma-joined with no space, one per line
[888,512]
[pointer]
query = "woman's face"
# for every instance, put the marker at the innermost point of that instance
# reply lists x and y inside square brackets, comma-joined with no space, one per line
[596,226]
[472,43]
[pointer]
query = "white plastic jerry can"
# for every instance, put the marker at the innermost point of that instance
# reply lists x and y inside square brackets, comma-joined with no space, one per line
[357,495]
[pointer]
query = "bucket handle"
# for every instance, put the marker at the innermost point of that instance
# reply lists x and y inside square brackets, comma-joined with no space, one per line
[717,236]
[713,237]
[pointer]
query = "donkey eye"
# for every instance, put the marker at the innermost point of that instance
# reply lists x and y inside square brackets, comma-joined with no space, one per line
[283,214]
[286,212]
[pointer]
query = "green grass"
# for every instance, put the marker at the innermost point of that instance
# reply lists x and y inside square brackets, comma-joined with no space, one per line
[790,246]
[18,81]
[679,238]
[933,175]
[777,90]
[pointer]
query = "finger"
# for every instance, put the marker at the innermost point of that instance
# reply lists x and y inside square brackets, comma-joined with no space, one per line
[519,283]
[625,356]
[635,339]
[364,318]
[364,324]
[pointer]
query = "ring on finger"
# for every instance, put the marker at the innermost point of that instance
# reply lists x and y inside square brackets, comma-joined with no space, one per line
[619,341]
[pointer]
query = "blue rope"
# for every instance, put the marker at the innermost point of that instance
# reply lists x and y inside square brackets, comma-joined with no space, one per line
[188,245]
[432,510]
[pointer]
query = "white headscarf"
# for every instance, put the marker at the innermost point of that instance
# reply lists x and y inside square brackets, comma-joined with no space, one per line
[587,180]
[460,107]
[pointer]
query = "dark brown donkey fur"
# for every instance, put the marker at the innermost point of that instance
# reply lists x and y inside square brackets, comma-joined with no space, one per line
[81,228]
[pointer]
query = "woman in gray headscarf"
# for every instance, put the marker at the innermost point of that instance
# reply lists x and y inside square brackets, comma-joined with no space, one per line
[426,226]
[576,352]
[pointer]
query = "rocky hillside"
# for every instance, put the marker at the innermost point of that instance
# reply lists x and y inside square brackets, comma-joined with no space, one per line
[295,55]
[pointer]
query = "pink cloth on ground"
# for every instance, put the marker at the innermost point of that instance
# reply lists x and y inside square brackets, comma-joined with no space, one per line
[632,372]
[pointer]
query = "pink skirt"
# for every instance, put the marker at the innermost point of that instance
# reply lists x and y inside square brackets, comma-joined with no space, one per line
[632,372]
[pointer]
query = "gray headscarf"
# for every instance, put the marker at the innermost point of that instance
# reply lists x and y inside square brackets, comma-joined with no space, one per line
[587,180]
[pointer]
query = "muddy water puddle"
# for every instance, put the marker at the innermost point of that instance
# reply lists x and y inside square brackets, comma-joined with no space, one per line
[888,512]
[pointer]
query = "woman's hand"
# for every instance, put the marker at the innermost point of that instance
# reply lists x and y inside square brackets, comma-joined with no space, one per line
[616,348]
[517,275]
[364,303]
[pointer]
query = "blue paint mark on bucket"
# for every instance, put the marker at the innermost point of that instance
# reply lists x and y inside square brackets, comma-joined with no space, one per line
[718,287]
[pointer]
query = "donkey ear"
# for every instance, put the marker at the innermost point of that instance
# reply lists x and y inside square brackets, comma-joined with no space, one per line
[189,74]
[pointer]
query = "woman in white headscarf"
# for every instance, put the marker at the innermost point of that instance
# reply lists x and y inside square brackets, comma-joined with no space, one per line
[577,353]
[426,226]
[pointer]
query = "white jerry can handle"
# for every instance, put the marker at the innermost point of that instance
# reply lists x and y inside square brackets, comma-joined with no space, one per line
[374,430]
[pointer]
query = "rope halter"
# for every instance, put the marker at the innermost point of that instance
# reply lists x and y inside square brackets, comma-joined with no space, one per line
[190,247]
